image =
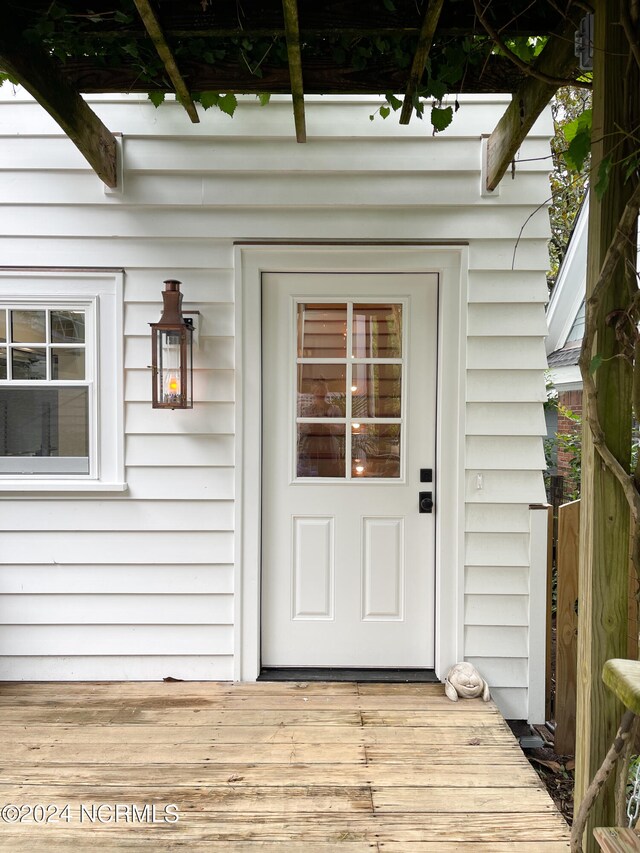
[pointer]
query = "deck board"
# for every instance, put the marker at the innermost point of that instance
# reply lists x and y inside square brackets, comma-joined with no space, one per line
[259,768]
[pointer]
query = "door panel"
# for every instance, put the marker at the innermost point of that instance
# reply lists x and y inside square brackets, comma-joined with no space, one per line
[349,367]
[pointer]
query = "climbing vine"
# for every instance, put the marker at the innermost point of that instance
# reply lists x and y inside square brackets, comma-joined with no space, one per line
[113,39]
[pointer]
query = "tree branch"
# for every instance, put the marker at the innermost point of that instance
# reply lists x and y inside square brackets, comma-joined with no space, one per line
[580,821]
[625,18]
[520,63]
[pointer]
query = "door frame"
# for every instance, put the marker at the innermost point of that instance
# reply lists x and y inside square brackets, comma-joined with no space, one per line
[251,260]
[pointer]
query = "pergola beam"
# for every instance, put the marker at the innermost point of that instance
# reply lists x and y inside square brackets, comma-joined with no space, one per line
[292,32]
[427,32]
[557,59]
[40,76]
[153,27]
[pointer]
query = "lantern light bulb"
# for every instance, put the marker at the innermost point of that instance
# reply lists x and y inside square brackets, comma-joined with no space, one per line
[172,386]
[359,469]
[354,388]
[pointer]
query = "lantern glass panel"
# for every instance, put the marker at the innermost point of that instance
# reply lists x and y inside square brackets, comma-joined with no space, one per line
[173,378]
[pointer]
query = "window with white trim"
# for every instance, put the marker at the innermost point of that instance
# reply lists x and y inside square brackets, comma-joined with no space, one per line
[60,381]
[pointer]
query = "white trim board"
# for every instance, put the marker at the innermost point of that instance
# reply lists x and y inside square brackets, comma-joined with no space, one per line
[451,262]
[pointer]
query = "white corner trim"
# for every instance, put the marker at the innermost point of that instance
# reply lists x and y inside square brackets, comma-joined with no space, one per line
[451,262]
[538,529]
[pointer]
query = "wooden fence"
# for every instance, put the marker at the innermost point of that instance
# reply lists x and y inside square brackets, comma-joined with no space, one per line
[567,555]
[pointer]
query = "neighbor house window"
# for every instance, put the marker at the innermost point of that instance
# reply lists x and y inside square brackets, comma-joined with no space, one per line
[60,393]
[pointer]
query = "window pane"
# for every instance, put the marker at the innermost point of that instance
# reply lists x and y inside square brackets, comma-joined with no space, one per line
[67,327]
[377,331]
[29,363]
[321,450]
[322,331]
[3,325]
[67,363]
[375,450]
[376,390]
[3,363]
[28,327]
[322,390]
[44,422]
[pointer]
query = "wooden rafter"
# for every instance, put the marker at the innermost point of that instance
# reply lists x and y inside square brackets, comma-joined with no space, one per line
[153,27]
[556,60]
[427,32]
[292,32]
[40,76]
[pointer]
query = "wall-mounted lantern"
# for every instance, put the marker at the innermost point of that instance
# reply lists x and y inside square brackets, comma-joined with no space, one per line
[172,353]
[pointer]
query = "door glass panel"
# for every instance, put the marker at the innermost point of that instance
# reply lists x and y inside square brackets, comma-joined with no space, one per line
[67,363]
[3,325]
[28,327]
[376,390]
[322,330]
[375,450]
[29,363]
[377,331]
[322,390]
[67,327]
[321,450]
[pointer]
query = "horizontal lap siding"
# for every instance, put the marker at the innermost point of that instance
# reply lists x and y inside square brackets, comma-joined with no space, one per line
[504,460]
[189,192]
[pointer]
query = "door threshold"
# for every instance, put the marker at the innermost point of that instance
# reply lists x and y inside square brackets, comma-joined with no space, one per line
[323,673]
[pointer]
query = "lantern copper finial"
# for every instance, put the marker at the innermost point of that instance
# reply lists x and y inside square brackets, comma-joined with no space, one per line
[172,353]
[171,302]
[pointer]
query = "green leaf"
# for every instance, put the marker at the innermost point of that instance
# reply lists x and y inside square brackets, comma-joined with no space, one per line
[595,363]
[580,123]
[438,89]
[385,112]
[156,98]
[389,5]
[132,49]
[441,118]
[523,47]
[122,17]
[578,135]
[228,104]
[209,99]
[603,176]
[394,103]
[264,98]
[632,166]
[578,150]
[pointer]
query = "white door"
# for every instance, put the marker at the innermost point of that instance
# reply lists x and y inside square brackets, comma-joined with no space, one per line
[349,417]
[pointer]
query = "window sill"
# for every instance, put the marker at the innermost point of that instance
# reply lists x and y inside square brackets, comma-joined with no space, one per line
[60,486]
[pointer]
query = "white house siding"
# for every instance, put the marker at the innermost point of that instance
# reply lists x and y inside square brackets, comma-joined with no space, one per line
[140,584]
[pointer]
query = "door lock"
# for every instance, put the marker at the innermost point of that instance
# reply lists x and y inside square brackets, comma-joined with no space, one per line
[425,503]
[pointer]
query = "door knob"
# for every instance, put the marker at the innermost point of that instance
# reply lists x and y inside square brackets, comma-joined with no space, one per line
[425,503]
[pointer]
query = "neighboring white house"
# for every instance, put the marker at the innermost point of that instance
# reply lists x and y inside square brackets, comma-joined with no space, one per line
[565,313]
[137,543]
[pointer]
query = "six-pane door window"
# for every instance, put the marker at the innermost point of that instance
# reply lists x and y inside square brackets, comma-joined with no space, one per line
[349,360]
[45,390]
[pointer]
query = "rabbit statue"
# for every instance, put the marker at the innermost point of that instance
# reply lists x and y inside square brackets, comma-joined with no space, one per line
[463,680]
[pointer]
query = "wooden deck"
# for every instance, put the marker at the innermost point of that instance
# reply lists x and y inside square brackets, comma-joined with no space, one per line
[293,768]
